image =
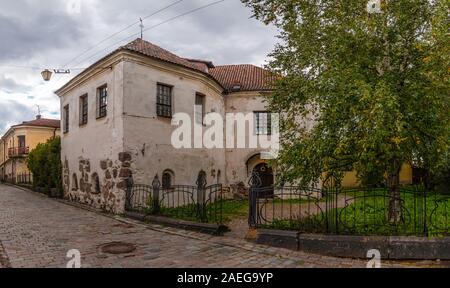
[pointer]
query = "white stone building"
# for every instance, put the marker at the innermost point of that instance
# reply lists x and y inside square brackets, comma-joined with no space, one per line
[117,122]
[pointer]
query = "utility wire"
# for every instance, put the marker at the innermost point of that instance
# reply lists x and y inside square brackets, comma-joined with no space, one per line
[152,27]
[115,43]
[124,29]
[117,33]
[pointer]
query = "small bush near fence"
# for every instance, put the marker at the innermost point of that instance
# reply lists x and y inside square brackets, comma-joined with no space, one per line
[44,163]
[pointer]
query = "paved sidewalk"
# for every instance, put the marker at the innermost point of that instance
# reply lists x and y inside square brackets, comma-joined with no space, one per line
[38,232]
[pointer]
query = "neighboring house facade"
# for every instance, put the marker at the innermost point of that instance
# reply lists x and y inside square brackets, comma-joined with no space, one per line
[406,177]
[18,142]
[117,123]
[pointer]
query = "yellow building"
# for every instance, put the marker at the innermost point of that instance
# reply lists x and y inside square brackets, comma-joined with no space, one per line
[406,177]
[17,143]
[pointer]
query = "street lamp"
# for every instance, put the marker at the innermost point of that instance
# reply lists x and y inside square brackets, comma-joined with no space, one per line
[46,75]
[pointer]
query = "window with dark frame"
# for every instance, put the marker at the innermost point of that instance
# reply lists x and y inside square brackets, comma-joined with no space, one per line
[102,102]
[21,141]
[164,101]
[66,119]
[83,110]
[263,123]
[199,108]
[96,182]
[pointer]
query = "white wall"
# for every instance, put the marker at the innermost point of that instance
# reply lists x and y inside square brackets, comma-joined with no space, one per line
[100,139]
[132,127]
[148,137]
[242,102]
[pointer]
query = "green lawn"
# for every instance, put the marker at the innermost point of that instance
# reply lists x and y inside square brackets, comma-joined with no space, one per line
[231,209]
[368,215]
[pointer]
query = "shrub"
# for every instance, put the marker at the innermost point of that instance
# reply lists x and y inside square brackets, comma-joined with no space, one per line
[45,164]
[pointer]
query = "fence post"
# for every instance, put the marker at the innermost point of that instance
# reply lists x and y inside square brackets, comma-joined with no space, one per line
[425,218]
[201,196]
[156,185]
[254,183]
[128,193]
[331,191]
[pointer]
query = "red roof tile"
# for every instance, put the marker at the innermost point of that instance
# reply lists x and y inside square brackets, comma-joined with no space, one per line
[50,123]
[151,50]
[248,77]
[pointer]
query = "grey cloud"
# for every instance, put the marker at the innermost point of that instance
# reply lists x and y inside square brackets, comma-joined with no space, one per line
[224,33]
[13,112]
[43,34]
[9,85]
[31,28]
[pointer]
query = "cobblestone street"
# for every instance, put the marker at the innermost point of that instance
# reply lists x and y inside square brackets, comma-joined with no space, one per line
[38,232]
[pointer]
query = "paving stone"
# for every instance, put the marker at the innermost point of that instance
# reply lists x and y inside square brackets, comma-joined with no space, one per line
[38,232]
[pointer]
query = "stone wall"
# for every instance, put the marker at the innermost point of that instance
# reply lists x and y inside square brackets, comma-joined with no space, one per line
[109,192]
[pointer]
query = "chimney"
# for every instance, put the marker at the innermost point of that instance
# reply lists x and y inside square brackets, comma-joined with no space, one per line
[38,117]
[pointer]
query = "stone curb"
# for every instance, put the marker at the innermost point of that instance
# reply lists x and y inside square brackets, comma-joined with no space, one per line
[356,247]
[211,229]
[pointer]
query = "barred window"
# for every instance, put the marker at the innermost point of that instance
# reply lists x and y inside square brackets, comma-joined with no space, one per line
[84,110]
[66,119]
[164,101]
[102,102]
[199,108]
[263,123]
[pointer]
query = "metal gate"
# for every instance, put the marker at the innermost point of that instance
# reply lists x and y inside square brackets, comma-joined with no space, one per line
[198,203]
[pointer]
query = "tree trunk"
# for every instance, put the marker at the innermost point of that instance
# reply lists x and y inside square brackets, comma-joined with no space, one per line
[395,204]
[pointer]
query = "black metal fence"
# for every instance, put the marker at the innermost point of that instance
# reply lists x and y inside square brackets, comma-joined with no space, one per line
[25,178]
[363,211]
[198,203]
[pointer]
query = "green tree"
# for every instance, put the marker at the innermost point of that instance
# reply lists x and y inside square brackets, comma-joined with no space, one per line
[376,86]
[44,163]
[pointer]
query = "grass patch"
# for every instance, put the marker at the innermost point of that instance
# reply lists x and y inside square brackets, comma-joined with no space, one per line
[367,214]
[231,209]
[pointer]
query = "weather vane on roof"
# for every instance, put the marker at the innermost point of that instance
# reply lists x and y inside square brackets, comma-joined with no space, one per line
[142,28]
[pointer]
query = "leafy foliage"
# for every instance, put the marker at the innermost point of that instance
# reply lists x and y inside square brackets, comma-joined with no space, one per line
[372,87]
[45,164]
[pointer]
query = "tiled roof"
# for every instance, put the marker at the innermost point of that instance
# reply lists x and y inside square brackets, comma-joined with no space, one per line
[248,77]
[151,50]
[50,123]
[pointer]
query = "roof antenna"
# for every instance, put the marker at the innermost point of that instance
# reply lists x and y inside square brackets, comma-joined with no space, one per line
[39,113]
[142,28]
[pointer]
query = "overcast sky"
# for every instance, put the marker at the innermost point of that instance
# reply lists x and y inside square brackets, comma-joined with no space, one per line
[35,34]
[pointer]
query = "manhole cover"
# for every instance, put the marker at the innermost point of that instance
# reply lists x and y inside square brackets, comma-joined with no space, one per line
[118,248]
